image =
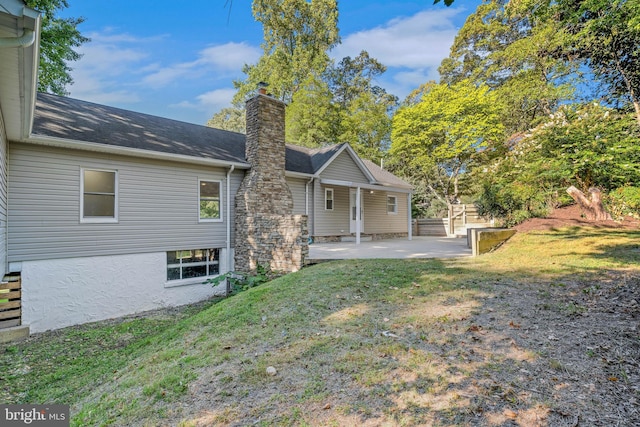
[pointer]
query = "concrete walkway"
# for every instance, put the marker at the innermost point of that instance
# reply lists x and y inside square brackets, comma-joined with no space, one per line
[419,247]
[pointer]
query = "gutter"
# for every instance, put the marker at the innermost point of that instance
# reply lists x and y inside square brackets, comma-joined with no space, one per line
[27,38]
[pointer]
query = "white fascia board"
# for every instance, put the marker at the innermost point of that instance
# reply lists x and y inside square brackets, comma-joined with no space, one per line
[131,152]
[299,175]
[375,187]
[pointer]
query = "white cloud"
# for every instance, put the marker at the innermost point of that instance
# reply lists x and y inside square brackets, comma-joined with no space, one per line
[230,56]
[211,101]
[411,47]
[220,60]
[418,41]
[106,64]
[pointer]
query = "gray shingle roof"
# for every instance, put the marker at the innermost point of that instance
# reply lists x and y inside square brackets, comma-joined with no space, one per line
[385,177]
[68,118]
[72,119]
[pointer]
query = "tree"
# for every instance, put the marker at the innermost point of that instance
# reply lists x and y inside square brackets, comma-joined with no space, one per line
[580,149]
[607,35]
[230,118]
[297,36]
[364,108]
[312,118]
[442,135]
[518,54]
[58,39]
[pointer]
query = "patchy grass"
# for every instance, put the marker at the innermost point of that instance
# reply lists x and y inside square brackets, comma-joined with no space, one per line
[378,342]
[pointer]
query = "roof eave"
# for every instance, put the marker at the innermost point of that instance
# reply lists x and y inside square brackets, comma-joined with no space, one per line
[379,187]
[131,152]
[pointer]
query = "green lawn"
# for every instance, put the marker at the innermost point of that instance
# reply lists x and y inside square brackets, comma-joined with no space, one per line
[351,341]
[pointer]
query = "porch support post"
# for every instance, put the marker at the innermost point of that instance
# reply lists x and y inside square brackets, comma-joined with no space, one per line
[409,219]
[358,213]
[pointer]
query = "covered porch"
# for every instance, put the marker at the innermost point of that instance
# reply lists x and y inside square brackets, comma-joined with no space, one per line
[370,209]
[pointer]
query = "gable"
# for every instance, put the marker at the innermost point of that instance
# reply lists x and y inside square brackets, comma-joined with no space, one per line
[344,168]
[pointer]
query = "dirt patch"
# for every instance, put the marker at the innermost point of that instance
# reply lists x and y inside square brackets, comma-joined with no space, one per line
[579,347]
[571,216]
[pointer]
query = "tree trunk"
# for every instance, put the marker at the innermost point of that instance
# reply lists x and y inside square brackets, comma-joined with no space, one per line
[592,207]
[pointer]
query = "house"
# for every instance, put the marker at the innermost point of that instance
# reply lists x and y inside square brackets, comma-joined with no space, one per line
[106,212]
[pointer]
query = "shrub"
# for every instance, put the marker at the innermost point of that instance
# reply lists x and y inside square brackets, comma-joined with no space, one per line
[624,201]
[512,203]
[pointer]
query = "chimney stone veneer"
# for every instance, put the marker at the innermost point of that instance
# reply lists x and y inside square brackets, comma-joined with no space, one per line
[267,233]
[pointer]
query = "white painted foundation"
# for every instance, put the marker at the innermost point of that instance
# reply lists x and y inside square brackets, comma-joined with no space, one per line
[64,292]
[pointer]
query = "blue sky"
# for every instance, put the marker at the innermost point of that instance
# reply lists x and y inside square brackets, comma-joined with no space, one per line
[179,59]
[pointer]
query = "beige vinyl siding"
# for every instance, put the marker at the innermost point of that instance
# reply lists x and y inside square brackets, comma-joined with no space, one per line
[343,168]
[376,218]
[3,199]
[157,205]
[298,191]
[335,222]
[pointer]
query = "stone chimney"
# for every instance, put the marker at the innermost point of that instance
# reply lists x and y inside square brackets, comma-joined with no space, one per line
[267,233]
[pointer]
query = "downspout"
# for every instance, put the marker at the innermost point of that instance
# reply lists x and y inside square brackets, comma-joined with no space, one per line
[306,196]
[27,38]
[228,290]
[358,213]
[410,233]
[306,207]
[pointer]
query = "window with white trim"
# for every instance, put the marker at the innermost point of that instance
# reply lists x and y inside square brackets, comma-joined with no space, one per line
[392,205]
[328,199]
[99,195]
[209,200]
[192,263]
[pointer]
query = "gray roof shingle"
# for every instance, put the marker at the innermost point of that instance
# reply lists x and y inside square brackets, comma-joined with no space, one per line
[72,119]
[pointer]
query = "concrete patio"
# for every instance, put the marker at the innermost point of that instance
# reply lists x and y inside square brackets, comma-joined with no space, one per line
[418,247]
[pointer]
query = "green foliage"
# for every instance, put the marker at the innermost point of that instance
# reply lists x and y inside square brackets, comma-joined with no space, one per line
[624,201]
[230,118]
[606,34]
[312,117]
[440,137]
[58,38]
[586,146]
[242,281]
[516,53]
[297,37]
[327,103]
[209,209]
[511,204]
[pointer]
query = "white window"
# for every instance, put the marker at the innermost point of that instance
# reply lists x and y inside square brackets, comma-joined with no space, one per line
[192,263]
[328,199]
[99,195]
[210,201]
[392,205]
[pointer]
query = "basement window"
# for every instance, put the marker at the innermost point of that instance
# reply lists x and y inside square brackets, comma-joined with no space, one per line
[328,199]
[99,195]
[392,205]
[192,263]
[209,201]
